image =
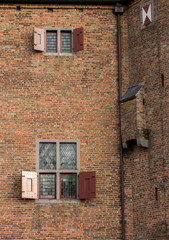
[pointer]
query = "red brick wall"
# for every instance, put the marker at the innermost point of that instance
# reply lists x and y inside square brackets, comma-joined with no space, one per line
[147,170]
[50,97]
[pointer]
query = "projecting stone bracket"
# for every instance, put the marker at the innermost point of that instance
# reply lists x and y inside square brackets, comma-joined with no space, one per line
[142,142]
[125,145]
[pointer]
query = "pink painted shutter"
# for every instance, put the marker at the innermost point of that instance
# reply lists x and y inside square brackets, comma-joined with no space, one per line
[29,185]
[38,39]
[78,39]
[87,185]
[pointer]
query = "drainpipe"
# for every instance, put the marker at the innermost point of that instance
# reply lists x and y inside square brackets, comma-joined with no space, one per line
[119,10]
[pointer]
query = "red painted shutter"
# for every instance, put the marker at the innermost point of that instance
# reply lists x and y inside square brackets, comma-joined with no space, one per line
[93,185]
[29,185]
[78,39]
[87,185]
[38,39]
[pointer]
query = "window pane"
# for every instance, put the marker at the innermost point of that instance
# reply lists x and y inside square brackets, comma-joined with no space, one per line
[68,156]
[47,155]
[68,186]
[66,42]
[52,42]
[47,186]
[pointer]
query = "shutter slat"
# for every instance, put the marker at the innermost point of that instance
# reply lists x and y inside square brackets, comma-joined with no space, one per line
[93,185]
[23,184]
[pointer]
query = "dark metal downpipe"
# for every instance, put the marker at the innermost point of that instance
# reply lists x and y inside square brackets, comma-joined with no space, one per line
[119,11]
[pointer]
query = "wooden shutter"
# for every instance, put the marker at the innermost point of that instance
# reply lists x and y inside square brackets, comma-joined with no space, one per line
[78,39]
[38,39]
[29,185]
[87,185]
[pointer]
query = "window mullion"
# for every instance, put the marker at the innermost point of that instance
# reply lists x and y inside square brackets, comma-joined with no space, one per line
[58,41]
[58,185]
[78,155]
[57,157]
[57,174]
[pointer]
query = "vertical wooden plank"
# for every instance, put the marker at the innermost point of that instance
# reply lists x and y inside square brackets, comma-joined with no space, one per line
[38,39]
[78,39]
[93,184]
[87,185]
[29,185]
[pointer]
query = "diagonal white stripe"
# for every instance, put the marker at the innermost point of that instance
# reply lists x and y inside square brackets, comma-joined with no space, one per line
[149,13]
[143,14]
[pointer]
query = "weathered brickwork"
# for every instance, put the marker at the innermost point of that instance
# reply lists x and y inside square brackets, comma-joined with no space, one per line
[133,118]
[76,97]
[65,97]
[146,171]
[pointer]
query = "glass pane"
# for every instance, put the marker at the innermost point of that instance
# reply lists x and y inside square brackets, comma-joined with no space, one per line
[68,156]
[52,42]
[47,155]
[68,186]
[66,42]
[47,186]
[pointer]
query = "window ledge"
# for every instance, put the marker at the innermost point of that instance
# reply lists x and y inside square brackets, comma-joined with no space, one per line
[57,201]
[58,54]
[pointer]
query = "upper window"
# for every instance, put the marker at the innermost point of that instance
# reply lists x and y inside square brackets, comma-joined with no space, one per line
[51,41]
[57,167]
[66,42]
[56,41]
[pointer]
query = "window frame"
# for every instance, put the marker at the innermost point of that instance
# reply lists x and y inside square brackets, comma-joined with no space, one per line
[40,185]
[57,171]
[71,40]
[75,185]
[58,47]
[47,40]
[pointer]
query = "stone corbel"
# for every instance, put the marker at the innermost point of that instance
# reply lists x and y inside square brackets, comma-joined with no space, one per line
[142,142]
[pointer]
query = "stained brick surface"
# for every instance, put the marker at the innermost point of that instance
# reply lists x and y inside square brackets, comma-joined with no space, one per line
[75,97]
[147,170]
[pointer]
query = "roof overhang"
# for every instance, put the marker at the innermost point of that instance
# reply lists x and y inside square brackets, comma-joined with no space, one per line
[81,2]
[131,92]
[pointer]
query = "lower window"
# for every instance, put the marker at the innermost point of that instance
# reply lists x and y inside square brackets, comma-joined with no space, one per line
[58,166]
[47,186]
[68,186]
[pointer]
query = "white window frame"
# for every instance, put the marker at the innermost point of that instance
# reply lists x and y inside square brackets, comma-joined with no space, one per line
[58,53]
[57,171]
